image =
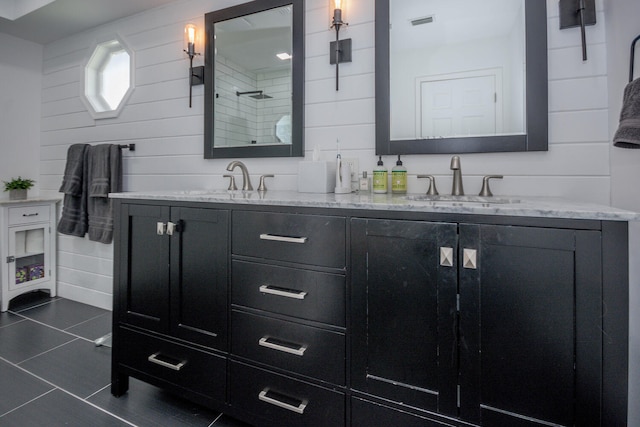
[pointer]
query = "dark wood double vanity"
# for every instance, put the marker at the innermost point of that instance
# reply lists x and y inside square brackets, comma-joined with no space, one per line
[302,310]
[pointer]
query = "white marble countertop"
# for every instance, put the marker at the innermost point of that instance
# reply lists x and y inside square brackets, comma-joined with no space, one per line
[30,200]
[475,205]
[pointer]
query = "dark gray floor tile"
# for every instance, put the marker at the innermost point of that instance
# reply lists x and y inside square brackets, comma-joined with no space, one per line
[94,328]
[226,421]
[7,318]
[58,408]
[18,387]
[26,339]
[63,313]
[149,406]
[79,367]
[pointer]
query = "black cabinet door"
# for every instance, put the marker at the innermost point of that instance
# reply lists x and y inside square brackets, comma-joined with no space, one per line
[174,271]
[530,337]
[199,276]
[404,312]
[143,266]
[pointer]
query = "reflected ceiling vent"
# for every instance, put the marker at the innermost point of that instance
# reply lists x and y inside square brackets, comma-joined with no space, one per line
[255,94]
[424,20]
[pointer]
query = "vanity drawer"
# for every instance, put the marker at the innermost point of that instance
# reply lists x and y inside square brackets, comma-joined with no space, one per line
[305,294]
[198,371]
[28,214]
[307,239]
[306,350]
[282,401]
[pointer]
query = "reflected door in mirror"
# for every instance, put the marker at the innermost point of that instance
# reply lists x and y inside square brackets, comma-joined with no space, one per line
[461,76]
[459,66]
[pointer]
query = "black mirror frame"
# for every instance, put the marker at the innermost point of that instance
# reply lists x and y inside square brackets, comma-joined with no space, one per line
[537,103]
[296,148]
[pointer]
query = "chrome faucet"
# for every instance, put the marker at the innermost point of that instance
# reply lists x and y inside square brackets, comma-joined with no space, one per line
[457,189]
[246,181]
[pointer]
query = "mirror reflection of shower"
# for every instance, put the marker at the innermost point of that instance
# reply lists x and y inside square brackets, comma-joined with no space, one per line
[253,78]
[255,94]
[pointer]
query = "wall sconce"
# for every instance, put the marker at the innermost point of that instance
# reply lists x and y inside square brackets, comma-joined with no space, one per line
[196,74]
[578,13]
[339,50]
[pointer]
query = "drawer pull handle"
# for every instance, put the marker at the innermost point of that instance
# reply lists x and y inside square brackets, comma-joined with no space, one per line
[286,239]
[31,214]
[281,292]
[282,346]
[299,409]
[157,358]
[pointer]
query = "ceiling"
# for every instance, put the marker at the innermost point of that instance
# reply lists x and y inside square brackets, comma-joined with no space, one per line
[57,19]
[454,21]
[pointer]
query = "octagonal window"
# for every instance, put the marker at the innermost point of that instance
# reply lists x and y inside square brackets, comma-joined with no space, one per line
[108,79]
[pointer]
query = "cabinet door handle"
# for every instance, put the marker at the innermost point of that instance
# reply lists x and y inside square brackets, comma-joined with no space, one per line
[446,257]
[170,228]
[282,346]
[31,214]
[286,239]
[156,358]
[470,258]
[160,228]
[281,292]
[273,401]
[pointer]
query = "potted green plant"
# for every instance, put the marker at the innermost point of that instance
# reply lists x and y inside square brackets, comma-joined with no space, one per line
[18,187]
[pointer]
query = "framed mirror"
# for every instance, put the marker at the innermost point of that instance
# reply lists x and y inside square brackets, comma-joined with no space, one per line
[254,80]
[461,76]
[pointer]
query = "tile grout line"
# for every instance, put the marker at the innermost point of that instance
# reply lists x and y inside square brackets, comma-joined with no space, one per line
[97,391]
[31,401]
[14,323]
[20,313]
[50,326]
[45,352]
[35,306]
[216,420]
[85,321]
[64,391]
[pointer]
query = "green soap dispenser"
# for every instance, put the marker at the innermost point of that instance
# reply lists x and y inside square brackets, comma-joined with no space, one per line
[399,178]
[380,178]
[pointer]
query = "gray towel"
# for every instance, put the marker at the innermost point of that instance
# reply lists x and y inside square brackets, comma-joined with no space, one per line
[99,169]
[628,133]
[73,170]
[104,177]
[73,220]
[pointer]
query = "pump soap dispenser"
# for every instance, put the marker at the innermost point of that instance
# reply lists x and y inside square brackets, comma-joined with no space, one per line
[380,178]
[399,178]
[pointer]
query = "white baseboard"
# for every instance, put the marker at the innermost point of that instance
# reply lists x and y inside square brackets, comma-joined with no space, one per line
[85,296]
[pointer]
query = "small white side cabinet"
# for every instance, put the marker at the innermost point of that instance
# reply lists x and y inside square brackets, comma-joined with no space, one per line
[27,247]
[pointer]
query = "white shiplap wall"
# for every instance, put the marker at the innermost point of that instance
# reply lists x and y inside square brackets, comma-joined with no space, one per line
[20,61]
[169,135]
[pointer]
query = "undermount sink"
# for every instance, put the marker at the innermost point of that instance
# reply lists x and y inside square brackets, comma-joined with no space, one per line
[461,199]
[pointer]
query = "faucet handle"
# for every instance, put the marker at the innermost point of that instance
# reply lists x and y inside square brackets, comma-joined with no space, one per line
[432,191]
[486,191]
[232,182]
[261,186]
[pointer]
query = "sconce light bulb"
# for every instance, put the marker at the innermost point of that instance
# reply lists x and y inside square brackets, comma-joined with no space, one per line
[191,33]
